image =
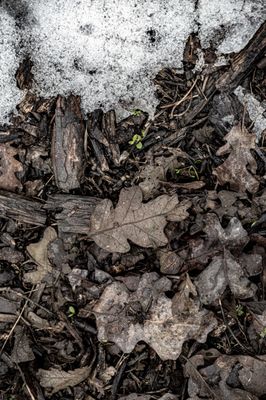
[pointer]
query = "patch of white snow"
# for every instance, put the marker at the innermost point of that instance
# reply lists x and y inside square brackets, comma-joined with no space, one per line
[107,51]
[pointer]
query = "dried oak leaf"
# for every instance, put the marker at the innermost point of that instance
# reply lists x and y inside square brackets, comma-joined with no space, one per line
[39,253]
[22,350]
[142,223]
[234,235]
[223,271]
[9,166]
[148,315]
[57,379]
[234,169]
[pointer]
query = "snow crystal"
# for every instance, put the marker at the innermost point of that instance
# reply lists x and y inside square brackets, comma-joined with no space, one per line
[10,95]
[255,109]
[229,24]
[107,51]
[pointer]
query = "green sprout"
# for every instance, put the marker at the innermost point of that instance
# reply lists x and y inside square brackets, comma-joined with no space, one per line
[263,333]
[193,173]
[71,312]
[199,161]
[137,140]
[136,113]
[240,310]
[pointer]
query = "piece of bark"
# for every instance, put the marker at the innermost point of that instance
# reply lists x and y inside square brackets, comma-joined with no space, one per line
[97,139]
[74,212]
[109,129]
[21,209]
[244,61]
[241,64]
[67,149]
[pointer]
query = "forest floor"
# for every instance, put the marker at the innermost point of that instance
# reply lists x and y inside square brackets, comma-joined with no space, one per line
[133,252]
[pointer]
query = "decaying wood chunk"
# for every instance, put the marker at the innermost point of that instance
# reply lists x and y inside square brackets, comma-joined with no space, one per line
[73,213]
[21,209]
[68,143]
[241,64]
[244,61]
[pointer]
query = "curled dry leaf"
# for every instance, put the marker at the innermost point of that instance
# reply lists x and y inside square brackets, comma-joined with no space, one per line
[247,372]
[152,175]
[170,262]
[215,376]
[147,314]
[9,166]
[142,223]
[39,253]
[234,169]
[56,379]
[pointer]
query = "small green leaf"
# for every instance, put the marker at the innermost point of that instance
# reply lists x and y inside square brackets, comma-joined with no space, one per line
[71,311]
[193,172]
[143,133]
[136,113]
[263,333]
[240,310]
[139,145]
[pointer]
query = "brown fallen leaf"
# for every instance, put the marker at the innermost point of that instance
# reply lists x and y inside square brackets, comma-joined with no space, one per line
[223,271]
[142,223]
[39,253]
[234,169]
[152,175]
[233,236]
[135,396]
[222,377]
[148,315]
[56,379]
[247,371]
[9,166]
[170,262]
[22,350]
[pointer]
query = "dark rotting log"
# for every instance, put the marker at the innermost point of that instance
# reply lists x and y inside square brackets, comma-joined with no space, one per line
[21,209]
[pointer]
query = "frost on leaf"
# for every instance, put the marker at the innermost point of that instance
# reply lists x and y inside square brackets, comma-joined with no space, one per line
[235,169]
[147,314]
[55,379]
[142,223]
[9,166]
[39,253]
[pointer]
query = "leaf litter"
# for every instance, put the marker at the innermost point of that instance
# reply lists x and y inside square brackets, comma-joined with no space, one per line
[143,279]
[142,223]
[147,314]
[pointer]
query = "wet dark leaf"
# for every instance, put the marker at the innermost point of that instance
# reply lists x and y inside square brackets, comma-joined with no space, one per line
[235,169]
